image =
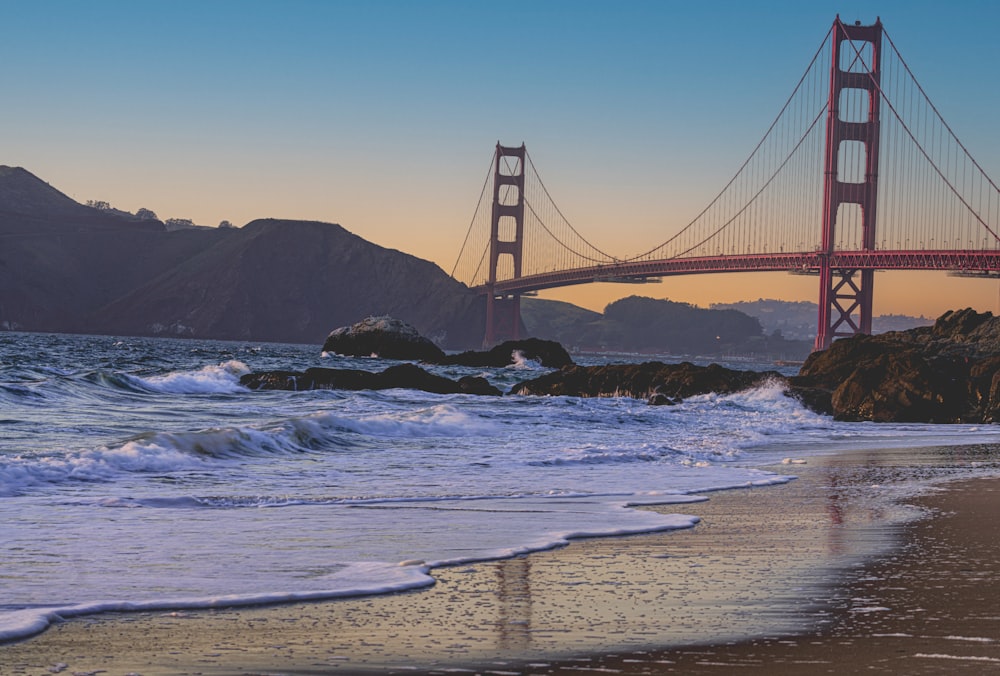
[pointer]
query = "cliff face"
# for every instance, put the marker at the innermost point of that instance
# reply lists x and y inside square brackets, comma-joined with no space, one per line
[65,267]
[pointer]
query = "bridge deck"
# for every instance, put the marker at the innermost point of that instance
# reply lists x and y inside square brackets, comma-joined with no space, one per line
[962,261]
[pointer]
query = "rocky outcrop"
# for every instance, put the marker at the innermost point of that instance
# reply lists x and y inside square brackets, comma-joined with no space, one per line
[655,381]
[949,372]
[403,376]
[383,337]
[548,353]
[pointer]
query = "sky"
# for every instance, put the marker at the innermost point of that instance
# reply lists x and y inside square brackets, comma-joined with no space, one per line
[382,115]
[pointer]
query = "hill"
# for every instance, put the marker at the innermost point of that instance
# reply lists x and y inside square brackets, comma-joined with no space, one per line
[638,324]
[797,320]
[66,267]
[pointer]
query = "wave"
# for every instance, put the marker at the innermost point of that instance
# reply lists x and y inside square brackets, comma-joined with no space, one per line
[277,501]
[115,381]
[27,386]
[16,393]
[221,379]
[21,472]
[165,452]
[443,420]
[609,456]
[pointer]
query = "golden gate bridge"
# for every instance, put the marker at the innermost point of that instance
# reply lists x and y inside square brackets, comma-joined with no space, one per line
[858,172]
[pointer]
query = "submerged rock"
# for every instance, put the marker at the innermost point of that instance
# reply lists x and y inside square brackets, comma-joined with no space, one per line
[403,376]
[383,337]
[548,353]
[656,382]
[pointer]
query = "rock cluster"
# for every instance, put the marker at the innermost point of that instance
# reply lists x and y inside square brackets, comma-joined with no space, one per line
[656,382]
[404,376]
[390,338]
[548,353]
[948,372]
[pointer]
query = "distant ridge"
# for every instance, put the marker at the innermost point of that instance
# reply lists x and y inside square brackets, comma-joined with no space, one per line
[66,267]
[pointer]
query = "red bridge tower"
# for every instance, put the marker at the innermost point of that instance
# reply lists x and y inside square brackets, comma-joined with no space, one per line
[846,292]
[503,313]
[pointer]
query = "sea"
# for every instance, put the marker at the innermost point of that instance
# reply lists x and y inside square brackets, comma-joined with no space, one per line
[137,474]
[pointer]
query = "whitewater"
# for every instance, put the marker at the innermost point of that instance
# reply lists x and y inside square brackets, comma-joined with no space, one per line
[137,474]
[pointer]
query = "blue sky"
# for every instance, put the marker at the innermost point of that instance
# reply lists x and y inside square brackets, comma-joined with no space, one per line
[382,116]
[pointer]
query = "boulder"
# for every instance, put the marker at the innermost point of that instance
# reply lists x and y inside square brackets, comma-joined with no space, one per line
[948,372]
[548,353]
[403,376]
[656,382]
[383,337]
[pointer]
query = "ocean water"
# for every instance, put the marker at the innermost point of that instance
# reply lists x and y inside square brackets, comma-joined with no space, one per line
[137,473]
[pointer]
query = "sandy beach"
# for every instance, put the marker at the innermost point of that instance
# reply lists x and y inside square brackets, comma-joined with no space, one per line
[825,574]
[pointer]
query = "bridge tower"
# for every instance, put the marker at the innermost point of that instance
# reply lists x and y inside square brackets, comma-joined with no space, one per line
[845,292]
[503,313]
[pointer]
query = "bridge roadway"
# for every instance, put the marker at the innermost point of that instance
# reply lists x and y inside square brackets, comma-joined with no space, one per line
[969,261]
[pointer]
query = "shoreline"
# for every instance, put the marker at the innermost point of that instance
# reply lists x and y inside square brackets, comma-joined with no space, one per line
[771,576]
[928,608]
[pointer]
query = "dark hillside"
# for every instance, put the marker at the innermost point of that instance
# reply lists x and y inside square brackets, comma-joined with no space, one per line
[60,260]
[294,281]
[66,267]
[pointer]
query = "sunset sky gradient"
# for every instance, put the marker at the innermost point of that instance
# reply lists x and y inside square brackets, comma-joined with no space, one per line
[382,115]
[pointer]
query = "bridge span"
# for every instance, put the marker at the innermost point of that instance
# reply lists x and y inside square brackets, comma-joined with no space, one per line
[858,173]
[971,262]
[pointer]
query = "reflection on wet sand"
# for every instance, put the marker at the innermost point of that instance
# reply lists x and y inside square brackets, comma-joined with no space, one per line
[514,604]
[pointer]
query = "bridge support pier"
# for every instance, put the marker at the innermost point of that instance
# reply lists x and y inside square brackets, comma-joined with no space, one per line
[503,319]
[503,314]
[845,302]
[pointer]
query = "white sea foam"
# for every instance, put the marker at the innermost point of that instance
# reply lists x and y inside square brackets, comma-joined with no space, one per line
[18,473]
[444,420]
[515,530]
[522,363]
[221,379]
[357,580]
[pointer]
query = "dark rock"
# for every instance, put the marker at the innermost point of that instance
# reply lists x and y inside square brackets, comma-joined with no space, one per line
[477,385]
[402,376]
[273,380]
[383,337]
[660,399]
[548,353]
[949,372]
[815,399]
[644,381]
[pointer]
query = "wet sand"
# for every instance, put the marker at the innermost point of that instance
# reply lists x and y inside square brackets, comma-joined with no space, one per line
[824,574]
